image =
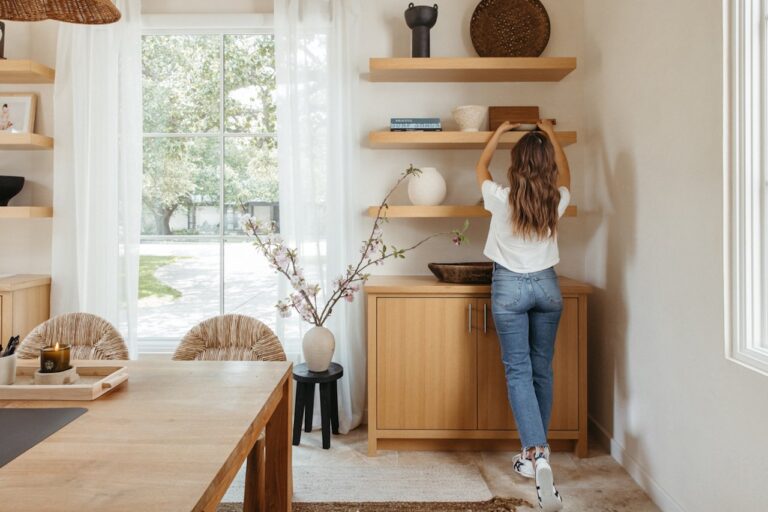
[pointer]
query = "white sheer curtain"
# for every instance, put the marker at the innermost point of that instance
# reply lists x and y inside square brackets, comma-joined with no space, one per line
[97,170]
[317,140]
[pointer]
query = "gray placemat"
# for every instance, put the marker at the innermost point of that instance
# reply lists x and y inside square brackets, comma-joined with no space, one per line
[21,429]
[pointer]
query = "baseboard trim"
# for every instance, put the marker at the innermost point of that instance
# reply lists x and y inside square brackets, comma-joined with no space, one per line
[639,474]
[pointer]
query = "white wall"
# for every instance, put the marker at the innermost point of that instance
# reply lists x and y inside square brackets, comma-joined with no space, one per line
[26,243]
[385,34]
[689,425]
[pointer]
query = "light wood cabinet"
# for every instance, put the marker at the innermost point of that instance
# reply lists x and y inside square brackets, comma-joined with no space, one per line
[435,376]
[426,352]
[24,304]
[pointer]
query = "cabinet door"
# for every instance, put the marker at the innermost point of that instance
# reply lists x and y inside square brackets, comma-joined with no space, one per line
[494,412]
[426,364]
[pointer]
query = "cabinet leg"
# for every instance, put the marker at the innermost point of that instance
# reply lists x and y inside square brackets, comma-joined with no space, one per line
[582,446]
[373,449]
[309,400]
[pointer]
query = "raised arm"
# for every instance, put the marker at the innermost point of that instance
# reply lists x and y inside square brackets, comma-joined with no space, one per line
[484,163]
[563,169]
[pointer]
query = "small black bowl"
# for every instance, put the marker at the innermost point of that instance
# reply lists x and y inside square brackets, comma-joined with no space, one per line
[9,187]
[420,16]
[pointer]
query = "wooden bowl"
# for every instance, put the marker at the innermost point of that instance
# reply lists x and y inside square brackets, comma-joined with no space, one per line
[463,273]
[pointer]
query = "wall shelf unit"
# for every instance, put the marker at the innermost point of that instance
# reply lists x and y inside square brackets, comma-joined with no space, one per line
[26,212]
[451,139]
[471,69]
[25,141]
[443,212]
[25,72]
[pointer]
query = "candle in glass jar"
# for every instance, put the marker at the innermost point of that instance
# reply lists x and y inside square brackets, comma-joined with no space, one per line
[54,359]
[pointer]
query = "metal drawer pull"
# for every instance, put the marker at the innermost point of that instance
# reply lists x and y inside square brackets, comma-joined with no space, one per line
[470,318]
[485,318]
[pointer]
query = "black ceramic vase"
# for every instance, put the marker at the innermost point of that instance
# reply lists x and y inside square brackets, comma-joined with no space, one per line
[420,18]
[9,187]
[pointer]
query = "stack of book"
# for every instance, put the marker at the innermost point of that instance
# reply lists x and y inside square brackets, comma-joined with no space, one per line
[414,124]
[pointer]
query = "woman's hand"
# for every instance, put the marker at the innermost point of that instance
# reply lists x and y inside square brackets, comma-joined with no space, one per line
[547,127]
[506,126]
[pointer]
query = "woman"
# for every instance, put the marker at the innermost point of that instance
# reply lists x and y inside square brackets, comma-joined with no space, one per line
[525,296]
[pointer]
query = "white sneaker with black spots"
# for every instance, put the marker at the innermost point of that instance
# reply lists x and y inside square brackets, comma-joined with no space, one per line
[523,466]
[549,498]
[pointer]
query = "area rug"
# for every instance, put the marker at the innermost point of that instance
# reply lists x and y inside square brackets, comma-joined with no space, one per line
[375,482]
[494,505]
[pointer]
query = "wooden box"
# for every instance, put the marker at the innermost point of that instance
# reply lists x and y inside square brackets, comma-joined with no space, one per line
[94,381]
[524,115]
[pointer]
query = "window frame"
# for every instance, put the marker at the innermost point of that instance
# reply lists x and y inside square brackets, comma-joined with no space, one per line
[218,25]
[744,154]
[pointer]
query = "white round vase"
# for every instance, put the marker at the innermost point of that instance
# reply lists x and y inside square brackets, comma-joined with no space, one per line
[427,189]
[318,346]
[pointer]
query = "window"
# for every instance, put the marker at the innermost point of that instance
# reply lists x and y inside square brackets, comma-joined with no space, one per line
[209,151]
[746,179]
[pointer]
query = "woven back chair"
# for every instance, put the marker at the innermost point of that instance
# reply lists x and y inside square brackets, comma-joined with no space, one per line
[90,336]
[236,338]
[230,338]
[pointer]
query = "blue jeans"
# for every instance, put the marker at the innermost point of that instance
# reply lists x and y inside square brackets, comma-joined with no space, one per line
[526,310]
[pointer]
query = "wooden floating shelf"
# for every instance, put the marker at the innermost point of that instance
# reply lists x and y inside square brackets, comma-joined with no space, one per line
[24,141]
[443,212]
[451,139]
[471,69]
[25,212]
[25,72]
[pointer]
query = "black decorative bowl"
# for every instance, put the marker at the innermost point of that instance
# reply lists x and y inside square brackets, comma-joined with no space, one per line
[421,15]
[463,273]
[9,187]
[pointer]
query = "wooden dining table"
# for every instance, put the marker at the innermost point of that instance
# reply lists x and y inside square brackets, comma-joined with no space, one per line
[172,438]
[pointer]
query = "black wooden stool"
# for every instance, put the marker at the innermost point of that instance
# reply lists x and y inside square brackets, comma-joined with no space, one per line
[305,401]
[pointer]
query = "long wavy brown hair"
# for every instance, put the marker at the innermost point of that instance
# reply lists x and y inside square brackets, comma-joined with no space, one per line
[534,196]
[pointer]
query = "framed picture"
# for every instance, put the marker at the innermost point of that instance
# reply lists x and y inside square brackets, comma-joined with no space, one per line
[17,112]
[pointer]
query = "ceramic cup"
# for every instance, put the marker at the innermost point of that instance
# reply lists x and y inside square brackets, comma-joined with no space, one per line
[7,370]
[471,118]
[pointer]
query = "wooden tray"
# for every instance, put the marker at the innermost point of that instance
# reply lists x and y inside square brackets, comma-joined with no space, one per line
[94,382]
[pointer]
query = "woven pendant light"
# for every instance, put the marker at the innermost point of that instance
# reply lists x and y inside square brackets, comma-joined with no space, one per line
[84,12]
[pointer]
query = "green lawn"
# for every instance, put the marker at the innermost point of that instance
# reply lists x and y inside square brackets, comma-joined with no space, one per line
[151,286]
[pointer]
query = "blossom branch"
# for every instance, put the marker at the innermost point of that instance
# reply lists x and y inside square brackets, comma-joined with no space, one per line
[304,299]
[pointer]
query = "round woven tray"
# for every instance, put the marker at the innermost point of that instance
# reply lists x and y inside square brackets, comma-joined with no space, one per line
[510,28]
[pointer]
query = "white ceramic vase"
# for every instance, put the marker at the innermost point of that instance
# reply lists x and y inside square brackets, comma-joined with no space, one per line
[470,118]
[427,189]
[318,346]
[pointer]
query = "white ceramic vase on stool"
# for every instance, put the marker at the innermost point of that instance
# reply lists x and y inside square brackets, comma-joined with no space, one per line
[428,188]
[318,347]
